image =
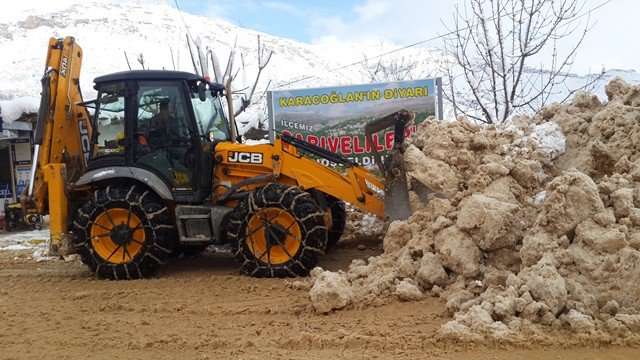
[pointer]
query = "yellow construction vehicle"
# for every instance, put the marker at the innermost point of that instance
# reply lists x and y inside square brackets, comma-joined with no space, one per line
[153,165]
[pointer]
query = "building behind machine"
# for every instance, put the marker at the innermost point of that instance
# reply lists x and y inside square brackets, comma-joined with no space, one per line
[16,149]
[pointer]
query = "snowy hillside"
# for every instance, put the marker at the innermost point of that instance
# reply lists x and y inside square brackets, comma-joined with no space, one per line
[107,31]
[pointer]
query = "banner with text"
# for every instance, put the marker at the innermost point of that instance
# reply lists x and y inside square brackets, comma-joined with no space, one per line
[334,117]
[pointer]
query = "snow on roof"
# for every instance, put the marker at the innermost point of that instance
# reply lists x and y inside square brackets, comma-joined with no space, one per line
[12,110]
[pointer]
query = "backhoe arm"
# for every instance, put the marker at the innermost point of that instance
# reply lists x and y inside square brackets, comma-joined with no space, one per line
[62,139]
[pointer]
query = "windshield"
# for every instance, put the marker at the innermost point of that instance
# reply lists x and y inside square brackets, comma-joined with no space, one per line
[210,117]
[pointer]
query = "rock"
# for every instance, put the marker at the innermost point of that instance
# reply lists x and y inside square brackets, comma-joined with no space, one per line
[433,173]
[479,142]
[330,291]
[630,322]
[611,307]
[456,299]
[505,304]
[604,240]
[492,223]
[585,100]
[634,241]
[545,284]
[536,244]
[635,217]
[622,200]
[398,234]
[407,290]
[571,199]
[69,258]
[459,252]
[528,173]
[605,218]
[616,89]
[579,322]
[476,315]
[431,271]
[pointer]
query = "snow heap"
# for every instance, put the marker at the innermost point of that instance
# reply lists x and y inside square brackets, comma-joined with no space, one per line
[12,110]
[540,229]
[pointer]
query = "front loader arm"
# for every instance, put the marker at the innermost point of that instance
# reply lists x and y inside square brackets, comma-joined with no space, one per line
[358,187]
[255,165]
[241,168]
[62,138]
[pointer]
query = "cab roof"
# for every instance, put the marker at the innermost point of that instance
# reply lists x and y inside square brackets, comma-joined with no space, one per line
[147,75]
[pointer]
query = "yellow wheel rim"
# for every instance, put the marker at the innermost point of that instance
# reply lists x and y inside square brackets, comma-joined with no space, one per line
[117,235]
[273,236]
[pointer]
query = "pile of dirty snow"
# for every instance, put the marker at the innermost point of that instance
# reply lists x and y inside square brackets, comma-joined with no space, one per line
[539,230]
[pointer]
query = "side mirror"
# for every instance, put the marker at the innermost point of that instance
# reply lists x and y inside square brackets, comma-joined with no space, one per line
[202,91]
[216,89]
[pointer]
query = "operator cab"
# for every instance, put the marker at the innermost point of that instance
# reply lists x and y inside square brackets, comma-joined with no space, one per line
[166,122]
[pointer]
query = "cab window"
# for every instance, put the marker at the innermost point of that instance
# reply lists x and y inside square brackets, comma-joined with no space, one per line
[109,119]
[210,118]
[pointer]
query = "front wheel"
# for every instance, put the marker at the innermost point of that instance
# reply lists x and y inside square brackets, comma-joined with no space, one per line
[277,231]
[338,213]
[124,232]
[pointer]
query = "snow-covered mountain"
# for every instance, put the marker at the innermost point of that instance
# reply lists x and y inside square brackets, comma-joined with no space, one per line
[107,31]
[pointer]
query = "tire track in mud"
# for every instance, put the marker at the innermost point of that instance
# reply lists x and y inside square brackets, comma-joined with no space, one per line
[202,308]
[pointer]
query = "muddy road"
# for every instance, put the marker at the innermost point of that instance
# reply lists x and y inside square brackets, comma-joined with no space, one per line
[202,308]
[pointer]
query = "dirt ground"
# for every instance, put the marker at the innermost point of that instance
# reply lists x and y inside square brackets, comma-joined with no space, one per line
[202,308]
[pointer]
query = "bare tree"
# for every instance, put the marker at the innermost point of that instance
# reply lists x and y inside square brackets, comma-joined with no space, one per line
[394,68]
[239,96]
[140,60]
[240,93]
[264,56]
[494,44]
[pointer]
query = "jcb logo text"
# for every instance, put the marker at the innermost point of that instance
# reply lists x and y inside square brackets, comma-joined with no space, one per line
[245,157]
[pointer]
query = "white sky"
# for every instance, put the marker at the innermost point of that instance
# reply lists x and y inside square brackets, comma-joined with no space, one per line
[612,42]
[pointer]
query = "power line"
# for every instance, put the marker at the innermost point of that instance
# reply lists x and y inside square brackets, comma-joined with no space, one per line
[183,22]
[412,45]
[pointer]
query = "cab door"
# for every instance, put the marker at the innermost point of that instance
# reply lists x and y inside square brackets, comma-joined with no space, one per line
[163,139]
[212,127]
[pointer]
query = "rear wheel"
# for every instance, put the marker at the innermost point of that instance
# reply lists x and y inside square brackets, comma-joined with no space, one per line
[338,214]
[124,232]
[277,231]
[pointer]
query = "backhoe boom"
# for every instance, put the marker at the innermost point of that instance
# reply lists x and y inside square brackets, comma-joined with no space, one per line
[62,139]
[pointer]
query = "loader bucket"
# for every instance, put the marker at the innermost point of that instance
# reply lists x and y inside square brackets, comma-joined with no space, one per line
[396,182]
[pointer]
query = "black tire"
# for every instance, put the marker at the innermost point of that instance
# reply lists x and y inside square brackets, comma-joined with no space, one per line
[338,212]
[300,208]
[155,225]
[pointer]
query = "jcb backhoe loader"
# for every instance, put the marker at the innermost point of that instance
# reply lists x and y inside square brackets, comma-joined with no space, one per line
[157,167]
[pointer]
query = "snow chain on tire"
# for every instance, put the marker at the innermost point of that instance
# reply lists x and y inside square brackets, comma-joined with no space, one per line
[153,224]
[288,208]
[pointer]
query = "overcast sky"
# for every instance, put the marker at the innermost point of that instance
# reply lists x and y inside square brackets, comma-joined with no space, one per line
[612,42]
